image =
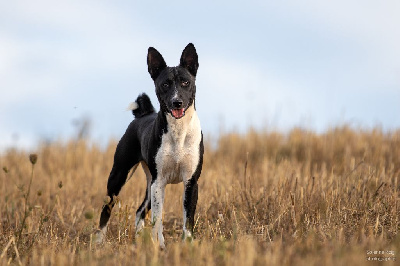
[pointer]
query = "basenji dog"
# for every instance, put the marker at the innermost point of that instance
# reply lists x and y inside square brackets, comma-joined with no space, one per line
[167,144]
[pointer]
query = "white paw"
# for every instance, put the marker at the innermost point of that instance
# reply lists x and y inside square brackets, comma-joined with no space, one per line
[187,235]
[139,226]
[100,235]
[157,236]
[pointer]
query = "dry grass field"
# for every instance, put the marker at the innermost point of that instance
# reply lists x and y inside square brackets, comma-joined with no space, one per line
[265,198]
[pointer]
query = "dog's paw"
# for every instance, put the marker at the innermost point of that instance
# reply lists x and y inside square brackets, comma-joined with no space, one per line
[158,243]
[99,236]
[162,246]
[139,226]
[157,237]
[187,236]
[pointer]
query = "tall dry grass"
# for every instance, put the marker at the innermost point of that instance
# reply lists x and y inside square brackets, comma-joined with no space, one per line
[264,198]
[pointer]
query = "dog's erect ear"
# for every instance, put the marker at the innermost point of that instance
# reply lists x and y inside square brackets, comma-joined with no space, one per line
[155,63]
[189,59]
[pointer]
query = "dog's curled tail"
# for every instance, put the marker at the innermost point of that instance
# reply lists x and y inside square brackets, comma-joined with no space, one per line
[142,106]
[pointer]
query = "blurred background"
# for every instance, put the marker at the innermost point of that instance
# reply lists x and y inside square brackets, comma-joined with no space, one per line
[70,68]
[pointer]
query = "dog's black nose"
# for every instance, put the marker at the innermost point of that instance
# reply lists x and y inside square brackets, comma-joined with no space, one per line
[177,104]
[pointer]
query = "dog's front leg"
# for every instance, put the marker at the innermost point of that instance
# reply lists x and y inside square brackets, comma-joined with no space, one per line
[189,207]
[157,200]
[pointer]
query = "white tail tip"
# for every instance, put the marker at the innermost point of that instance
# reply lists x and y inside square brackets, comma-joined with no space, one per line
[132,106]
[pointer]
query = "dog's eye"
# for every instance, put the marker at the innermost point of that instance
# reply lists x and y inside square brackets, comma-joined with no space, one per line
[165,85]
[185,83]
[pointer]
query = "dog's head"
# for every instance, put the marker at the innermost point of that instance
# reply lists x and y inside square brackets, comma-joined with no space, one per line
[175,86]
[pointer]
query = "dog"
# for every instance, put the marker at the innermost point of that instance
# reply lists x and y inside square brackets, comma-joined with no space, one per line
[168,145]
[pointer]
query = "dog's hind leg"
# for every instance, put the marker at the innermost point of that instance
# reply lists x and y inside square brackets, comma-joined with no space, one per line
[115,182]
[125,158]
[146,204]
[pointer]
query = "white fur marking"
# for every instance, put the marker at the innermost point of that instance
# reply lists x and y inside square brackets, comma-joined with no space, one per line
[176,160]
[139,223]
[175,97]
[132,106]
[178,155]
[100,235]
[186,233]
[157,201]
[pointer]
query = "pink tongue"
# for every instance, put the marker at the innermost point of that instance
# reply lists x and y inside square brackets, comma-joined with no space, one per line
[177,113]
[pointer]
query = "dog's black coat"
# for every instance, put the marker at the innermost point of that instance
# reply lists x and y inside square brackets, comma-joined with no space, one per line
[175,89]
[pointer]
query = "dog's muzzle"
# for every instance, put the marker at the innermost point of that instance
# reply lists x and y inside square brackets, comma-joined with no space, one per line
[177,110]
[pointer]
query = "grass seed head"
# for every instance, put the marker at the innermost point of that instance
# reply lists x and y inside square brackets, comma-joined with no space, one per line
[89,215]
[33,158]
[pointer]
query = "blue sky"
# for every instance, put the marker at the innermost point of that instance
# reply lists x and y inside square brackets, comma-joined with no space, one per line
[263,64]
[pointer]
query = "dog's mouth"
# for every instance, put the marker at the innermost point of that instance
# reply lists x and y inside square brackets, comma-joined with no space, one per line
[178,113]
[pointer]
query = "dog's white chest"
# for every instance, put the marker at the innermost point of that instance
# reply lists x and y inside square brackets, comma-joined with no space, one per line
[178,155]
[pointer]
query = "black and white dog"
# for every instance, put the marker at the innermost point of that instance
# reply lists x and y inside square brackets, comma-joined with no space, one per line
[168,144]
